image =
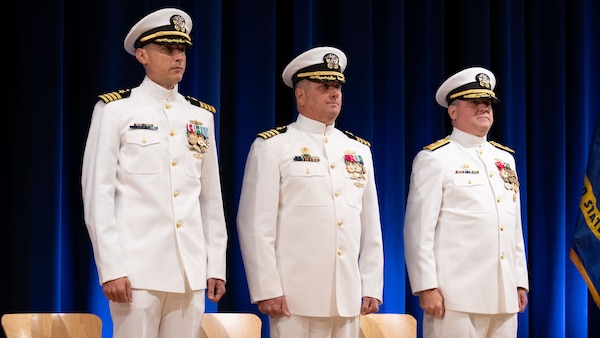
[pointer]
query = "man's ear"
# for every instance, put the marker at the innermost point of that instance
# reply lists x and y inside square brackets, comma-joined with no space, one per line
[452,111]
[299,93]
[141,55]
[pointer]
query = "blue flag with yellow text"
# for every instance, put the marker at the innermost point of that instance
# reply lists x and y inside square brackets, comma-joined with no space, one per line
[585,249]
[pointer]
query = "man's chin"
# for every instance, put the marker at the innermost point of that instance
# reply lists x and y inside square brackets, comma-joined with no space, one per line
[177,77]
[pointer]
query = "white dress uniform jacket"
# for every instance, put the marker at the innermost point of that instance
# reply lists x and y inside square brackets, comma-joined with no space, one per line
[462,230]
[307,229]
[153,207]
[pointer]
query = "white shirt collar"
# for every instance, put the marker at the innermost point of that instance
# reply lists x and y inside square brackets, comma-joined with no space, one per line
[313,126]
[466,139]
[159,91]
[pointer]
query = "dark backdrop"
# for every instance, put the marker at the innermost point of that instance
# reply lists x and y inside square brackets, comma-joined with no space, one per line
[59,55]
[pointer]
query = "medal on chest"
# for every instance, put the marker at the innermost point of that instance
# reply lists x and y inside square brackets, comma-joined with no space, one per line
[355,167]
[197,136]
[509,176]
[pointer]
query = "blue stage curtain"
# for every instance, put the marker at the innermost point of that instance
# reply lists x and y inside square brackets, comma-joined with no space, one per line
[62,54]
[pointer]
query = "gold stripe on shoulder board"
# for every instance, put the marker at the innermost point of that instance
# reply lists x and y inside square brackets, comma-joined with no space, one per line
[201,104]
[113,96]
[272,132]
[503,147]
[437,144]
[359,139]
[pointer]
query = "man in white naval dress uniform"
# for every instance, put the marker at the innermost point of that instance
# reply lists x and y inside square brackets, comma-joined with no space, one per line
[152,193]
[308,218]
[463,238]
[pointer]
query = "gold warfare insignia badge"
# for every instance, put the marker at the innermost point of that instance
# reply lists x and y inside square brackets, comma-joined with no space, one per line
[465,168]
[306,156]
[197,136]
[355,166]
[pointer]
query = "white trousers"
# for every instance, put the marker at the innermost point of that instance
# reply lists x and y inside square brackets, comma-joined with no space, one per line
[470,325]
[314,327]
[154,314]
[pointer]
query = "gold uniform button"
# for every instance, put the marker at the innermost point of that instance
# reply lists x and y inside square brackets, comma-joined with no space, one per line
[332,166]
[340,222]
[337,194]
[172,132]
[480,152]
[501,228]
[498,199]
[307,171]
[501,256]
[178,224]
[143,140]
[176,193]
[326,140]
[339,252]
[167,106]
[174,163]
[491,175]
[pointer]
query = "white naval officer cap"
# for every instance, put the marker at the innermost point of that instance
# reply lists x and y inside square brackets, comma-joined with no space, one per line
[468,84]
[164,27]
[319,64]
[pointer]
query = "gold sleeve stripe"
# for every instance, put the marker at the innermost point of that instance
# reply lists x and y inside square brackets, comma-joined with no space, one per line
[273,132]
[363,141]
[503,147]
[113,96]
[359,139]
[201,104]
[437,144]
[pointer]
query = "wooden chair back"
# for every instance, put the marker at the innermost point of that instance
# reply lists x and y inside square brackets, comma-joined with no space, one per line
[231,325]
[52,325]
[388,325]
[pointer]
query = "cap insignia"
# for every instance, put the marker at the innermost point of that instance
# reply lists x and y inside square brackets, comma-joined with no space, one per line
[484,80]
[178,22]
[332,61]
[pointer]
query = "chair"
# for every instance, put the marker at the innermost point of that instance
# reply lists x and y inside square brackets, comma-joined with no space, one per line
[230,325]
[52,325]
[387,325]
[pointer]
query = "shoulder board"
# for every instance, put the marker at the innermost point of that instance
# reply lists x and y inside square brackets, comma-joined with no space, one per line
[201,104]
[354,137]
[114,96]
[437,144]
[270,133]
[498,145]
